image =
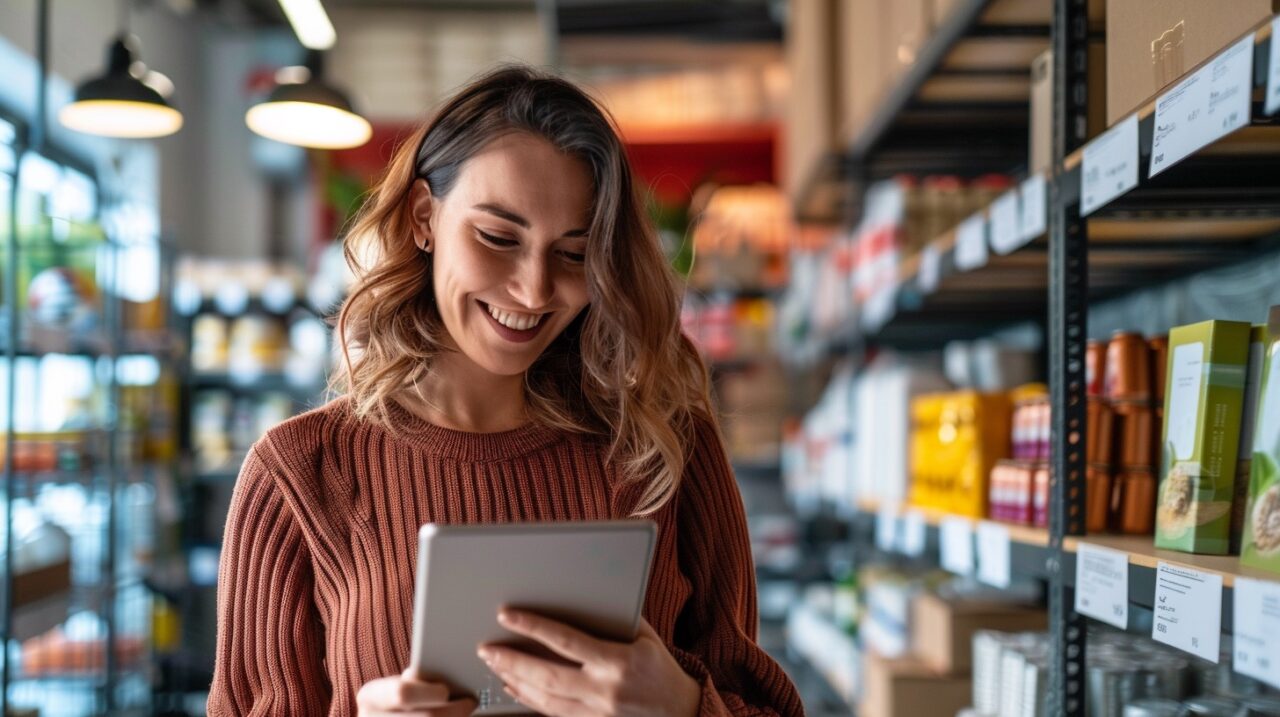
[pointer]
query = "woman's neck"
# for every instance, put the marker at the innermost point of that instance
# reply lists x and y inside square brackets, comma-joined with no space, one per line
[459,395]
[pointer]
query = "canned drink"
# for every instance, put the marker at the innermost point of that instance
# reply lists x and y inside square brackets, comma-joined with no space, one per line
[1137,501]
[1135,427]
[1210,706]
[1167,676]
[1097,496]
[1110,686]
[1128,369]
[1040,496]
[1153,707]
[1034,690]
[1098,430]
[1159,346]
[1095,362]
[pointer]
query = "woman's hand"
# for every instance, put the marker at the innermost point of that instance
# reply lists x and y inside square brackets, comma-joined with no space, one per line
[405,694]
[614,679]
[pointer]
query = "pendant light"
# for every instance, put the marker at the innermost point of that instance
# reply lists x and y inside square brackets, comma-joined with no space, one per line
[121,103]
[306,111]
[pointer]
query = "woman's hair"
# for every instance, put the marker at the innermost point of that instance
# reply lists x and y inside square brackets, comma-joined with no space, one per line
[622,368]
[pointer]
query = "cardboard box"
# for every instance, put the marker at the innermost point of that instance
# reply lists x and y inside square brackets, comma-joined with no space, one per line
[862,72]
[905,687]
[810,114]
[1153,43]
[1261,537]
[1202,405]
[1041,139]
[942,631]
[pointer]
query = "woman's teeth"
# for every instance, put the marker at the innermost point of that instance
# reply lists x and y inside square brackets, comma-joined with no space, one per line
[511,320]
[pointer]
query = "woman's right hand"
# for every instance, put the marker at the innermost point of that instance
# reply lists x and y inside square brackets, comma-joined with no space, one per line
[405,694]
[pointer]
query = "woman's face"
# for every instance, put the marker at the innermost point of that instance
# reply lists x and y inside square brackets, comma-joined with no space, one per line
[507,244]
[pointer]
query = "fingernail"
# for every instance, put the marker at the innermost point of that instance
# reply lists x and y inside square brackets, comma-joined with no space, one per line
[506,617]
[485,654]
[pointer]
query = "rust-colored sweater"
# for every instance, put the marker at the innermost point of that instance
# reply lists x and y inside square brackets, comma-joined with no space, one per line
[315,587]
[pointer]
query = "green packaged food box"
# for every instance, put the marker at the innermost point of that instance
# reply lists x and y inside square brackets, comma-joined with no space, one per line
[1203,397]
[1248,415]
[1261,536]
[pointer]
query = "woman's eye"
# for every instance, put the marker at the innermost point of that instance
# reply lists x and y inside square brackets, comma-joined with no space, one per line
[574,257]
[500,242]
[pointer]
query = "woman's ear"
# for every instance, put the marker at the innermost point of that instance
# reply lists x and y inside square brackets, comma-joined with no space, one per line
[421,204]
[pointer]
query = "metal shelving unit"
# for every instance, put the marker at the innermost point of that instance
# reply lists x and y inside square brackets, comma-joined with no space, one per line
[1229,188]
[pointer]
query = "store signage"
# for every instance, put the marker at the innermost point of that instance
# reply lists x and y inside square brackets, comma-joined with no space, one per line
[1256,647]
[1102,584]
[911,535]
[930,267]
[1006,232]
[1110,165]
[1034,219]
[993,554]
[971,243]
[1212,102]
[956,542]
[1188,610]
[887,528]
[1273,72]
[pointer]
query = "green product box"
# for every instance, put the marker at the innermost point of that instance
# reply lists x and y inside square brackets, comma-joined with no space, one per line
[1248,416]
[1260,542]
[1203,401]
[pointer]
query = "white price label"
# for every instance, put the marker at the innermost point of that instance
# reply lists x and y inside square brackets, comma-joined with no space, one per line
[1212,102]
[887,528]
[956,543]
[1006,234]
[930,267]
[911,536]
[1102,584]
[1110,165]
[1188,610]
[1034,220]
[1273,71]
[971,243]
[993,554]
[1256,648]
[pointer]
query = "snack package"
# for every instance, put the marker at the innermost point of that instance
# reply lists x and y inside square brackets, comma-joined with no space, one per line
[1260,539]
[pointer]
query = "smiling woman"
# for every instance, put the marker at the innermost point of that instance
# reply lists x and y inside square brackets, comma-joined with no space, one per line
[512,353]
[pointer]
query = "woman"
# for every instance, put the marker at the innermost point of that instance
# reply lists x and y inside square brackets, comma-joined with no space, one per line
[512,352]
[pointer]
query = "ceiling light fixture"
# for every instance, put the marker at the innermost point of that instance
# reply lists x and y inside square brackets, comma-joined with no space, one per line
[121,103]
[308,112]
[310,23]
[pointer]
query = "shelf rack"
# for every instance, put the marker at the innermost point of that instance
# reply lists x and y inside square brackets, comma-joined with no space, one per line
[1219,206]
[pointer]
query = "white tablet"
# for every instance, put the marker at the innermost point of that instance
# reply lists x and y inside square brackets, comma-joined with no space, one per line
[589,574]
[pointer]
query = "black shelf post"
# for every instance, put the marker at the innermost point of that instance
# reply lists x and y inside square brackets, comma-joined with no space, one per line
[1068,314]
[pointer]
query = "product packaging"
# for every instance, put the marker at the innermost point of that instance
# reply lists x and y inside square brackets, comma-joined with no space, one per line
[956,439]
[1260,541]
[1203,400]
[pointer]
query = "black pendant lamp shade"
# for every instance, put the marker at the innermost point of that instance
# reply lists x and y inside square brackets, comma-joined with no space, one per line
[311,113]
[118,104]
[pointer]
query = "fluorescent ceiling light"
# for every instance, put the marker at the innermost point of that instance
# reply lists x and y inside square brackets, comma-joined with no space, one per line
[310,23]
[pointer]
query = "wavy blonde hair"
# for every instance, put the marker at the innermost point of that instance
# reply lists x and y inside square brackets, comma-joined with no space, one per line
[622,369]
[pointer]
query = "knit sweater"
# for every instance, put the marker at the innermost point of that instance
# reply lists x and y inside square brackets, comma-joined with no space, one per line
[316,581]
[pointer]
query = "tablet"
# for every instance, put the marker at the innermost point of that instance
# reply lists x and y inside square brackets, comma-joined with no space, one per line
[589,574]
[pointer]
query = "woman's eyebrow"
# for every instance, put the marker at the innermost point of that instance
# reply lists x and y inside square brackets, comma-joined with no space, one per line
[503,213]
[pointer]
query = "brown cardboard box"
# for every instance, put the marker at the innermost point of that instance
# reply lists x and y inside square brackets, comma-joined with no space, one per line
[1153,43]
[810,118]
[862,72]
[909,28]
[1041,140]
[905,687]
[942,631]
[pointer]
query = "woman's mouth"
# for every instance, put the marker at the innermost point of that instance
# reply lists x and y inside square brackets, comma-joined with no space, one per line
[513,326]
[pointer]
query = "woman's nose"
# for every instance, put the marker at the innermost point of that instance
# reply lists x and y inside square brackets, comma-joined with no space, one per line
[533,286]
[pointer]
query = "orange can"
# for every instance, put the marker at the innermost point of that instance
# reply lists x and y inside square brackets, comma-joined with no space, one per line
[1138,501]
[1128,368]
[1098,434]
[1097,497]
[1135,430]
[1095,362]
[1159,347]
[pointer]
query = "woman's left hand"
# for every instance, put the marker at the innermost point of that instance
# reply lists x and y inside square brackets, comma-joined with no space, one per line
[614,679]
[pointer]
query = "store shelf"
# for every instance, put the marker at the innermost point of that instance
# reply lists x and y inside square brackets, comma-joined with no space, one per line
[253,383]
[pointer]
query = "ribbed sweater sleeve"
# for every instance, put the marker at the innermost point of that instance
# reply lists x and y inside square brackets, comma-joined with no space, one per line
[270,642]
[715,634]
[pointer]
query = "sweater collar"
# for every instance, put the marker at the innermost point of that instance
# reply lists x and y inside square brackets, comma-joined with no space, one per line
[464,445]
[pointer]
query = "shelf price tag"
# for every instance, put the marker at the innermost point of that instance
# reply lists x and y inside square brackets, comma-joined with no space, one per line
[971,243]
[1212,102]
[1256,608]
[956,542]
[1034,199]
[1102,584]
[1272,102]
[1006,234]
[1110,166]
[1188,610]
[911,537]
[930,268]
[993,554]
[887,528]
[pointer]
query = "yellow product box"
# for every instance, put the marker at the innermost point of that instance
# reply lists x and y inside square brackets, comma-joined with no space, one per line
[956,438]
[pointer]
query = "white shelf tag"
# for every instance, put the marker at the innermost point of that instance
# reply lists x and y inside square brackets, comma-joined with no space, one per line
[971,243]
[1273,72]
[1035,200]
[1188,610]
[927,274]
[1110,166]
[912,535]
[1257,629]
[956,541]
[887,528]
[1212,102]
[1102,584]
[993,554]
[1006,232]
